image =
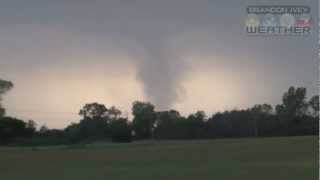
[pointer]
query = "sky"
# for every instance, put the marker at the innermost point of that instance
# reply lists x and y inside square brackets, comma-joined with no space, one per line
[184,54]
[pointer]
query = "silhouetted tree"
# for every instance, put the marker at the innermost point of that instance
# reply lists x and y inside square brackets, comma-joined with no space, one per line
[31,127]
[258,112]
[5,86]
[236,123]
[2,111]
[12,128]
[94,124]
[314,104]
[114,113]
[93,111]
[293,103]
[171,125]
[166,125]
[194,125]
[73,133]
[144,119]
[43,129]
[121,130]
[295,116]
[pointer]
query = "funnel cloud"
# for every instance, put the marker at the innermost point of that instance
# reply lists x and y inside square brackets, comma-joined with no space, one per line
[161,74]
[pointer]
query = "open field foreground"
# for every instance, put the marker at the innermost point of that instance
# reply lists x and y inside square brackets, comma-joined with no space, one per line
[293,158]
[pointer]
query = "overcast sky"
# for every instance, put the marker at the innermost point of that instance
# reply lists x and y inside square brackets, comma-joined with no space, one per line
[184,54]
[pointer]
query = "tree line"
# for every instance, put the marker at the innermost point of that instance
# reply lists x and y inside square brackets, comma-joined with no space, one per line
[295,116]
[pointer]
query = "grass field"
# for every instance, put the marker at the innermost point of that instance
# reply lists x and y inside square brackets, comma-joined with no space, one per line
[293,158]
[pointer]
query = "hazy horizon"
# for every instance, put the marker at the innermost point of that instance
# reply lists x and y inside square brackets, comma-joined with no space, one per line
[180,54]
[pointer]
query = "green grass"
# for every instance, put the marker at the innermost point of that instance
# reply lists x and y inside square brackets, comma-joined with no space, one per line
[293,158]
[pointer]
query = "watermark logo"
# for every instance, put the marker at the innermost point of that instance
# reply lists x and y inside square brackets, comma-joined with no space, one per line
[252,20]
[278,20]
[287,20]
[304,20]
[270,20]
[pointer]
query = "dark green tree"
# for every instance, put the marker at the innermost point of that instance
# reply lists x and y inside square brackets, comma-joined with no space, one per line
[194,125]
[121,130]
[144,119]
[293,103]
[12,128]
[114,113]
[5,86]
[166,124]
[314,104]
[294,113]
[258,112]
[93,111]
[73,133]
[94,124]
